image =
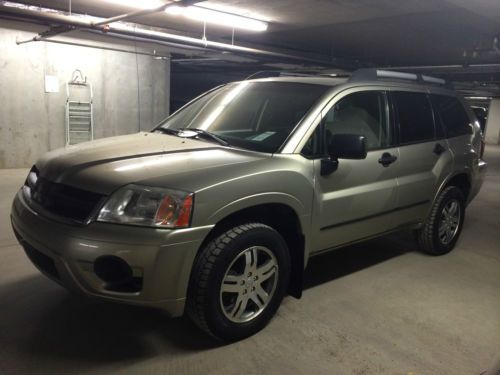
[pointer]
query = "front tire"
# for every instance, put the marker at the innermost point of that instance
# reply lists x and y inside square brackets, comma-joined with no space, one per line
[238,281]
[442,229]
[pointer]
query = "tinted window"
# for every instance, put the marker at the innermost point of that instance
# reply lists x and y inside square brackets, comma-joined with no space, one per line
[416,122]
[452,115]
[254,115]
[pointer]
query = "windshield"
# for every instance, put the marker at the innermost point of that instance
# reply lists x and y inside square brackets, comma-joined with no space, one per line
[257,116]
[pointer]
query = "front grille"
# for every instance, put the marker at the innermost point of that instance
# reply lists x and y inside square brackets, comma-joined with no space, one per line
[59,199]
[43,262]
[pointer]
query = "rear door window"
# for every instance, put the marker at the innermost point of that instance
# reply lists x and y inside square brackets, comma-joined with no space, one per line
[415,117]
[452,114]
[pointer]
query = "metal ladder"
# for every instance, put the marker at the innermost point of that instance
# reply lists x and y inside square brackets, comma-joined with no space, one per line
[79,111]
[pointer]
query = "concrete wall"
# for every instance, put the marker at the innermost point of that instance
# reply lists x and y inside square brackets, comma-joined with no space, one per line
[493,123]
[131,92]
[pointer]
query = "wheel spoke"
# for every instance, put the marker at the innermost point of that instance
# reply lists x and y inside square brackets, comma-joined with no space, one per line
[266,271]
[261,293]
[453,208]
[442,229]
[231,284]
[449,235]
[232,279]
[259,297]
[239,306]
[257,301]
[230,288]
[250,261]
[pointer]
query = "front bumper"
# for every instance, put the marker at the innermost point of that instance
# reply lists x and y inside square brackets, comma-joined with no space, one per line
[66,253]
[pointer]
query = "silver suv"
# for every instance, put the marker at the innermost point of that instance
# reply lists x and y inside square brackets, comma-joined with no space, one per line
[217,210]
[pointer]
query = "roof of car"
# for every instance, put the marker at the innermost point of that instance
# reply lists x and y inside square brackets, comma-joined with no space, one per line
[365,81]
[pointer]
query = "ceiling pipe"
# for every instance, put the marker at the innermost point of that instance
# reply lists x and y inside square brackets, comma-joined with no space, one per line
[103,24]
[144,40]
[55,17]
[114,49]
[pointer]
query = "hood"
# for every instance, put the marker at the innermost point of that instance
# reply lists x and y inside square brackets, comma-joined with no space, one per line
[153,159]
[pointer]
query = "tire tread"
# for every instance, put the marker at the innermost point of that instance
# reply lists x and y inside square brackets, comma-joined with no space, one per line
[425,236]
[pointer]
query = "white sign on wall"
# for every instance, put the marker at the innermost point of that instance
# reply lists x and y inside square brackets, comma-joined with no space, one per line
[51,84]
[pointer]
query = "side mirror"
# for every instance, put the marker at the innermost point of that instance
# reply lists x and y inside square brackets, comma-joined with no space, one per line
[347,146]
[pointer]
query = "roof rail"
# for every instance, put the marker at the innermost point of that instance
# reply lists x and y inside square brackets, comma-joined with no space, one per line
[263,74]
[278,73]
[380,74]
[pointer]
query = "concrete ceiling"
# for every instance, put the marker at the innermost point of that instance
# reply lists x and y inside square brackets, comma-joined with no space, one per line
[371,32]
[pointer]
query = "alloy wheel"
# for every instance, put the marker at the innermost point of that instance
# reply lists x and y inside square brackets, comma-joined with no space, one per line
[450,221]
[249,284]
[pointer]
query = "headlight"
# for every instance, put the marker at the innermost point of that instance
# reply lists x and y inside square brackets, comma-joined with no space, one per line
[148,206]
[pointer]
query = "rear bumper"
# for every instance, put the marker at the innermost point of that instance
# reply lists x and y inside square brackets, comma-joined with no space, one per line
[478,176]
[161,259]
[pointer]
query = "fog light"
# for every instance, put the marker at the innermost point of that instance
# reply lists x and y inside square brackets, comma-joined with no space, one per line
[113,270]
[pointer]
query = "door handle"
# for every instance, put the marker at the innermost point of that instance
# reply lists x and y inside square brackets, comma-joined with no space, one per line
[387,159]
[438,149]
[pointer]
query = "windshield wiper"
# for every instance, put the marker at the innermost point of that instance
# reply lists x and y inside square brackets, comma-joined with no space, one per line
[207,135]
[167,131]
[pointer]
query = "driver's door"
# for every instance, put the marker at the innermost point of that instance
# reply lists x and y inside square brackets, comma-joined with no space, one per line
[358,200]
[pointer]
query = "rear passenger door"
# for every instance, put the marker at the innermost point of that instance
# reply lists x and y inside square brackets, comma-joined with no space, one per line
[425,159]
[451,115]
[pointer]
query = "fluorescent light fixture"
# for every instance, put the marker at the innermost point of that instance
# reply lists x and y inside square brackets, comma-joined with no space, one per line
[217,17]
[142,4]
[119,26]
[200,13]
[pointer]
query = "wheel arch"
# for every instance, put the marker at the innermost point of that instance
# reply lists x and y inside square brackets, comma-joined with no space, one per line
[461,180]
[281,217]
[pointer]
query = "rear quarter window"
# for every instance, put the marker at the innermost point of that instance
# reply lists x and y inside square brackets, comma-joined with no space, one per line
[452,114]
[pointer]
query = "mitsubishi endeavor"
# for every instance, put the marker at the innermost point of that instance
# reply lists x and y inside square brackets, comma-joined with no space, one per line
[216,211]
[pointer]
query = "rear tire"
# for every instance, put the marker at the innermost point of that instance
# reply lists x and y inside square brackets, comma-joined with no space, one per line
[238,281]
[442,229]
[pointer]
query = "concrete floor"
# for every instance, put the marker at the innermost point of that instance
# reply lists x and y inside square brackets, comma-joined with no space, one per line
[376,308]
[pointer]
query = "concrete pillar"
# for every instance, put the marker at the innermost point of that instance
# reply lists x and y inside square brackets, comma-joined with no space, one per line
[493,123]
